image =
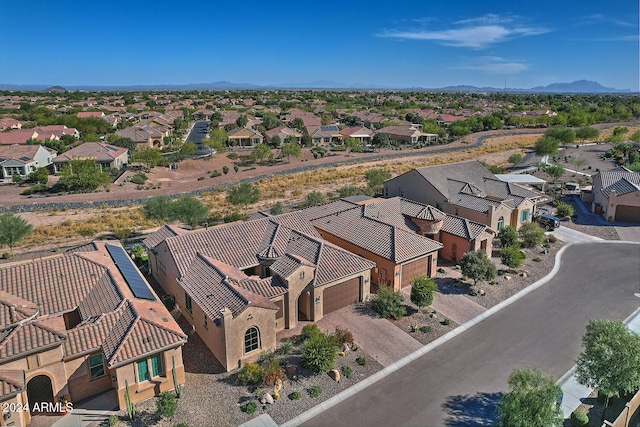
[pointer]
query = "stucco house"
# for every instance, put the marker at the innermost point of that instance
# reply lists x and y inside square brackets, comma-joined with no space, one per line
[21,160]
[324,135]
[82,323]
[239,284]
[105,155]
[144,138]
[363,134]
[244,137]
[283,133]
[469,190]
[616,194]
[410,134]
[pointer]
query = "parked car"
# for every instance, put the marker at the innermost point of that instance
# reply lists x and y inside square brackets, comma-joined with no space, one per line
[548,221]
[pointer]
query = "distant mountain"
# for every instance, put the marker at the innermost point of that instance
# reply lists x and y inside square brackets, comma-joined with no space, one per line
[55,89]
[580,86]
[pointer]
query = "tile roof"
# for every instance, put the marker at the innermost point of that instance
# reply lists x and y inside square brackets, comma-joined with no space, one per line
[475,203]
[154,239]
[11,382]
[104,297]
[287,264]
[620,179]
[14,309]
[462,227]
[470,171]
[99,151]
[24,153]
[26,337]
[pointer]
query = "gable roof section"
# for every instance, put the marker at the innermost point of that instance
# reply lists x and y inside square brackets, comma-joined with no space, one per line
[104,297]
[99,151]
[154,239]
[462,227]
[475,203]
[26,337]
[470,171]
[620,179]
[11,382]
[14,309]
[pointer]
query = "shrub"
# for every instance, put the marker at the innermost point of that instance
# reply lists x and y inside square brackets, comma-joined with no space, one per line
[250,374]
[235,168]
[565,209]
[508,236]
[272,372]
[35,189]
[225,169]
[537,259]
[422,291]
[473,293]
[215,174]
[180,425]
[446,322]
[166,404]
[531,234]
[139,178]
[314,391]
[232,217]
[113,420]
[310,330]
[250,407]
[362,361]
[295,395]
[6,255]
[424,330]
[346,371]
[201,178]
[232,156]
[579,419]
[511,256]
[286,346]
[319,354]
[388,303]
[343,336]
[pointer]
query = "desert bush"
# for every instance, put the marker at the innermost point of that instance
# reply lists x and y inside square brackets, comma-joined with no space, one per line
[310,330]
[314,391]
[250,374]
[232,156]
[139,178]
[508,236]
[215,174]
[113,420]
[166,404]
[579,419]
[424,329]
[272,372]
[446,322]
[343,336]
[361,361]
[319,353]
[286,346]
[511,256]
[225,169]
[232,217]
[346,371]
[531,234]
[564,209]
[250,407]
[388,303]
[295,395]
[235,168]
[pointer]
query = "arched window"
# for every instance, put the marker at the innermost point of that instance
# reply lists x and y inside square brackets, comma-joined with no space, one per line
[251,339]
[500,223]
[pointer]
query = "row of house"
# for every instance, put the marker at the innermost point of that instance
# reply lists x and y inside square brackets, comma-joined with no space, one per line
[40,133]
[81,323]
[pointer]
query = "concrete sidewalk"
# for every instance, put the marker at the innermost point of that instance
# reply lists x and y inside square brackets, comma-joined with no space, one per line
[573,392]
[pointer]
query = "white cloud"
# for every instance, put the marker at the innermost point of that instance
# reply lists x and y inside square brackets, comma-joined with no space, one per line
[475,33]
[496,65]
[598,19]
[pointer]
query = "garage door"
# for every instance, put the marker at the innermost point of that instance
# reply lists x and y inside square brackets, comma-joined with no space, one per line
[626,213]
[339,296]
[413,269]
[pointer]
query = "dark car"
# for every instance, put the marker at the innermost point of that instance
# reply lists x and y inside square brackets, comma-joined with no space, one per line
[548,221]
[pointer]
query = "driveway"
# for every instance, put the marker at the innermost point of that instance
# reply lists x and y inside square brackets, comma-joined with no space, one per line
[459,382]
[378,337]
[570,235]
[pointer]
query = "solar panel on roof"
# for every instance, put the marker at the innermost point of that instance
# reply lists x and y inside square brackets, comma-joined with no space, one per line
[25,158]
[109,147]
[329,128]
[130,273]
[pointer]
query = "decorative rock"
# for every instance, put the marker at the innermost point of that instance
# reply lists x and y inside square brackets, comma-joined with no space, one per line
[507,277]
[266,399]
[523,275]
[482,292]
[433,316]
[512,271]
[278,386]
[334,374]
[345,347]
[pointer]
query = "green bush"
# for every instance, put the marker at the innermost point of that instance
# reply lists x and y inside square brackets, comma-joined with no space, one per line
[225,169]
[250,407]
[180,425]
[6,255]
[388,303]
[295,395]
[166,404]
[508,236]
[314,391]
[35,189]
[139,178]
[232,156]
[215,174]
[579,419]
[319,353]
[113,420]
[235,168]
[232,217]
[425,329]
[286,346]
[531,234]
[310,330]
[250,374]
[346,371]
[511,256]
[564,209]
[446,322]
[362,361]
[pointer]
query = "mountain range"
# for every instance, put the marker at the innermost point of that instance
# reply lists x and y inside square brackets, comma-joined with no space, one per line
[579,86]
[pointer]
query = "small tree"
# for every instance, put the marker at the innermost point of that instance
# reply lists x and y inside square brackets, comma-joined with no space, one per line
[187,149]
[83,176]
[555,171]
[313,198]
[508,236]
[388,303]
[149,156]
[217,140]
[319,353]
[511,256]
[190,210]
[260,152]
[276,209]
[587,132]
[243,194]
[422,291]
[242,121]
[531,401]
[610,360]
[531,234]
[159,208]
[564,210]
[13,229]
[380,140]
[514,159]
[166,404]
[547,146]
[477,266]
[275,141]
[290,149]
[377,177]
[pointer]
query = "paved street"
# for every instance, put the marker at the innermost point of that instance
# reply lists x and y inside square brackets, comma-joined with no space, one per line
[459,382]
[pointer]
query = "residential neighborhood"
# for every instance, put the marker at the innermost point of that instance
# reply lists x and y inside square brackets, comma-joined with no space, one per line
[181,241]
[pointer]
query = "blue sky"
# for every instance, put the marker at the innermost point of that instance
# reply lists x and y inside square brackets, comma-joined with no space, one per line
[390,43]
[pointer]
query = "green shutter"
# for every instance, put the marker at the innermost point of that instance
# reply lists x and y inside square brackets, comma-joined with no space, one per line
[156,365]
[143,370]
